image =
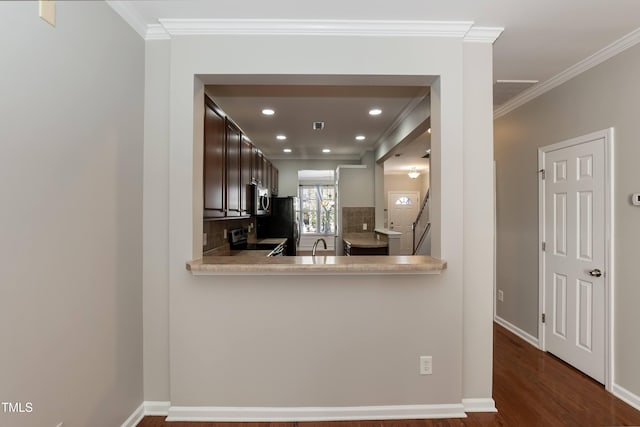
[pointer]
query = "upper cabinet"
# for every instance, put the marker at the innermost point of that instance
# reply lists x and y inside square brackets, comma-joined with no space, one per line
[214,169]
[246,175]
[231,164]
[274,180]
[233,138]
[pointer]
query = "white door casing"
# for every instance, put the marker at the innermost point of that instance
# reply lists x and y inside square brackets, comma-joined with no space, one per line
[575,268]
[403,207]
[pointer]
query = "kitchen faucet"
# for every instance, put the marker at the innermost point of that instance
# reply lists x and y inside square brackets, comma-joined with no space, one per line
[315,246]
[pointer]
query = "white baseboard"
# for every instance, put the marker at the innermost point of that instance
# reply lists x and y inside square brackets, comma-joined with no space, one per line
[156,408]
[135,418]
[479,405]
[517,331]
[231,414]
[147,408]
[626,396]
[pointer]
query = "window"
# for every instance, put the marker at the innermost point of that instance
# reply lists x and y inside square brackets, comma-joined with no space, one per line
[318,209]
[404,200]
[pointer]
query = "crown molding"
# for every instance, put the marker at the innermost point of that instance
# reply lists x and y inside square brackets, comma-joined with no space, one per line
[330,27]
[181,27]
[597,58]
[130,15]
[483,34]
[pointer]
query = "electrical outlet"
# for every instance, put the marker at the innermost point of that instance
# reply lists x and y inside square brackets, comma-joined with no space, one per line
[500,295]
[364,226]
[426,365]
[204,239]
[224,234]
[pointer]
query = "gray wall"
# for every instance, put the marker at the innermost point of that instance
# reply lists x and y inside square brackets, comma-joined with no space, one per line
[605,96]
[217,326]
[71,142]
[156,219]
[288,171]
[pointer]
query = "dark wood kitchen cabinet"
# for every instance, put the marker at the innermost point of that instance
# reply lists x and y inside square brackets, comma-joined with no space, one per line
[246,175]
[266,173]
[233,138]
[214,167]
[231,163]
[258,161]
[274,180]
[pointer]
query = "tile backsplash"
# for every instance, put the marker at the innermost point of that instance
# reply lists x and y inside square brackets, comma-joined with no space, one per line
[215,230]
[353,218]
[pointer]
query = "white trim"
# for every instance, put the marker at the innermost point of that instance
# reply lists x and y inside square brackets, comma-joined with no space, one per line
[607,135]
[483,34]
[323,27]
[541,264]
[517,331]
[609,258]
[479,405]
[135,417]
[597,58]
[626,396]
[130,15]
[156,32]
[156,408]
[495,244]
[272,414]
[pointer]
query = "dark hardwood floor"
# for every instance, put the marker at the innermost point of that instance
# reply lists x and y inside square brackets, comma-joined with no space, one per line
[530,388]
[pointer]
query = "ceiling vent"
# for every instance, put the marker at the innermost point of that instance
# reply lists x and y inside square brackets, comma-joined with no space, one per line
[318,125]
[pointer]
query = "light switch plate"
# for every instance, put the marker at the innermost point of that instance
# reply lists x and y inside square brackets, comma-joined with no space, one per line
[47,10]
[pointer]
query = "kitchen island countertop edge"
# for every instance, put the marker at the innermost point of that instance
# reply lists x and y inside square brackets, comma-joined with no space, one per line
[221,265]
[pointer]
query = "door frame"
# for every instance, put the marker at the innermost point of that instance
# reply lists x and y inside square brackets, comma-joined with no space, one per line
[607,135]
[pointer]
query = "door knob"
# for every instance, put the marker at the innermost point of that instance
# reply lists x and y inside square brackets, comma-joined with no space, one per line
[595,272]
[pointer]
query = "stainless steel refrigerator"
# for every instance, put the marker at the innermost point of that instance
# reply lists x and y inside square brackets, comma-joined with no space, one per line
[282,222]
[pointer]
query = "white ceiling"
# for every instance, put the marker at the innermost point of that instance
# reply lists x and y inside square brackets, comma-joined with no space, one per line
[541,39]
[343,109]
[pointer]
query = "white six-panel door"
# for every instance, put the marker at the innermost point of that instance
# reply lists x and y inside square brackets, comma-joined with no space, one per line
[403,207]
[574,257]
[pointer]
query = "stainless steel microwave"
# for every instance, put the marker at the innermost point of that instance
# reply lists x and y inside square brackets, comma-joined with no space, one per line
[260,200]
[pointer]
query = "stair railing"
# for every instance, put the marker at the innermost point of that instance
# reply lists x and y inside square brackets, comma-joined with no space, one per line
[424,229]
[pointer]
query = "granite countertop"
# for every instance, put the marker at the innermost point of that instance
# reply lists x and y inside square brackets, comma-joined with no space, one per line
[364,240]
[256,253]
[387,232]
[271,241]
[212,265]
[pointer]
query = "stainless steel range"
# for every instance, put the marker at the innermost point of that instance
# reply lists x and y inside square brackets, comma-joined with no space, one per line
[239,242]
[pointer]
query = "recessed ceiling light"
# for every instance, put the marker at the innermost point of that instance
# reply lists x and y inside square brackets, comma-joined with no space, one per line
[326,150]
[268,112]
[287,150]
[281,137]
[361,137]
[375,112]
